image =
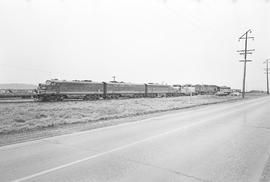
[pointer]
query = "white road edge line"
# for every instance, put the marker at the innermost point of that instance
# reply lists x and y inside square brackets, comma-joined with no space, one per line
[103,153]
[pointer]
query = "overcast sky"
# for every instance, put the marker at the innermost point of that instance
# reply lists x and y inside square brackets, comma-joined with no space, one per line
[140,41]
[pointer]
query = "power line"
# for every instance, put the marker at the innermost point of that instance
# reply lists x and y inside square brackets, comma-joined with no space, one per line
[245,52]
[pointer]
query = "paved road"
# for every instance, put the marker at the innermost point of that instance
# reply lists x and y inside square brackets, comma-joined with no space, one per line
[225,142]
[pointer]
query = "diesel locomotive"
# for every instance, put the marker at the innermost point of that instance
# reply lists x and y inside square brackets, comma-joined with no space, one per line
[58,90]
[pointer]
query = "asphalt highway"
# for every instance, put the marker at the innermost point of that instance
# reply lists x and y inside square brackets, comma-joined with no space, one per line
[219,143]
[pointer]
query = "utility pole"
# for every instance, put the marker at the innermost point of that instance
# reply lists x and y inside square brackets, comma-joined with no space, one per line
[114,78]
[267,73]
[245,52]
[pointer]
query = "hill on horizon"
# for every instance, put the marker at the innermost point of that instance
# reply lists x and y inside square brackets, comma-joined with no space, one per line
[17,86]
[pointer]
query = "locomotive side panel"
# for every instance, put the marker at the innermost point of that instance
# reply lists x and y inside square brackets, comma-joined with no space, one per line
[162,90]
[80,88]
[55,90]
[125,90]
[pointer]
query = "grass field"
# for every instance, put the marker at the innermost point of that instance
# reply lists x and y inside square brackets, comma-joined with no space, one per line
[17,117]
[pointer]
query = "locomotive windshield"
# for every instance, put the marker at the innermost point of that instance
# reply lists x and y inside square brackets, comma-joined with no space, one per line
[49,82]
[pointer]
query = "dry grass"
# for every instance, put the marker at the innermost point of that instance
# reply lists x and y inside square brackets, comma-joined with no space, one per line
[28,116]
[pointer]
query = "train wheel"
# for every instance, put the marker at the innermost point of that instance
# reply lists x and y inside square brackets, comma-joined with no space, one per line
[87,97]
[59,98]
[43,99]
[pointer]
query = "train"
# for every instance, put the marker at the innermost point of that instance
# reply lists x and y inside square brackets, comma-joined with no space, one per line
[58,90]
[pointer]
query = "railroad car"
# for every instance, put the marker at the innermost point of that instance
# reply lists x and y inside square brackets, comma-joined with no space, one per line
[157,90]
[225,89]
[17,93]
[188,90]
[57,90]
[206,89]
[116,90]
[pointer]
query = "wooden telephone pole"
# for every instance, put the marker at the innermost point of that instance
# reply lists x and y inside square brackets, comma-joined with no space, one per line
[267,73]
[245,52]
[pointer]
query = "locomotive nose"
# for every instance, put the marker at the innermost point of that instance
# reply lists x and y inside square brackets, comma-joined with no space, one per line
[41,88]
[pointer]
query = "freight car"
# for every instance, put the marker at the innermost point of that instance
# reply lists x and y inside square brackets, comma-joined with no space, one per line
[57,90]
[188,90]
[17,93]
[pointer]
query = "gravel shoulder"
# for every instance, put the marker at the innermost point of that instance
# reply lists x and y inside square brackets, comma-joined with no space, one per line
[21,122]
[265,177]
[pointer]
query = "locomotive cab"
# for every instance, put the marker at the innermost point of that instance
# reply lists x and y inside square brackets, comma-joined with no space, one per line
[49,87]
[47,91]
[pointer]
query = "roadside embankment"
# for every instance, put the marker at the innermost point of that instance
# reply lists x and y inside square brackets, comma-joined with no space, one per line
[25,118]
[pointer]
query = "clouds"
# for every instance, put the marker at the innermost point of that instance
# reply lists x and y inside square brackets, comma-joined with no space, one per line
[137,41]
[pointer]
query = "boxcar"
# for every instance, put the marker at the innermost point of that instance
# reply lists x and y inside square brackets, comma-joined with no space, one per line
[17,93]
